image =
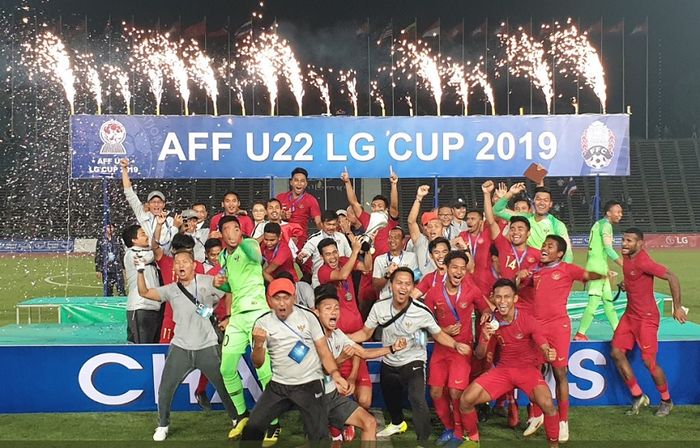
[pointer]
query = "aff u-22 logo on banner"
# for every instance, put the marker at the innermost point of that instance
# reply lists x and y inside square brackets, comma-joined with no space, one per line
[112,134]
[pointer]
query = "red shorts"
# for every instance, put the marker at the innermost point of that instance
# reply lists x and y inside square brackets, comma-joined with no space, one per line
[558,334]
[363,378]
[449,369]
[642,331]
[500,380]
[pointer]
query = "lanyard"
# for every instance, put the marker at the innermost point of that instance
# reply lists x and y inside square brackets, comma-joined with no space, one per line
[543,267]
[274,254]
[301,338]
[449,302]
[435,276]
[391,259]
[295,202]
[473,245]
[518,260]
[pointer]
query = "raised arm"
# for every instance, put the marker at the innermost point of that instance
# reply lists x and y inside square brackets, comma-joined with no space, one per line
[500,208]
[145,291]
[413,229]
[394,195]
[487,187]
[350,193]
[347,269]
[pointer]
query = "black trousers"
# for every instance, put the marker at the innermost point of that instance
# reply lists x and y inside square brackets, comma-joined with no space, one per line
[143,326]
[395,382]
[279,398]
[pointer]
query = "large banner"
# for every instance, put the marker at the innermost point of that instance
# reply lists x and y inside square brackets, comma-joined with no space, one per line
[126,377]
[258,147]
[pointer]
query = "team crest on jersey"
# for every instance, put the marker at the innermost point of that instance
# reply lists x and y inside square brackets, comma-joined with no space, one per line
[633,272]
[480,241]
[530,259]
[556,276]
[463,305]
[301,327]
[597,145]
[519,336]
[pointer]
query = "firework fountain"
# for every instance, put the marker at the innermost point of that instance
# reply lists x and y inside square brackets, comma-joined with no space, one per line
[348,79]
[315,78]
[227,72]
[418,57]
[576,52]
[525,57]
[376,94]
[48,56]
[121,80]
[201,71]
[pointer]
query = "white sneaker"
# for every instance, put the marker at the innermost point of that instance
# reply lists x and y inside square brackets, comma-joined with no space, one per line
[533,425]
[160,434]
[391,429]
[563,431]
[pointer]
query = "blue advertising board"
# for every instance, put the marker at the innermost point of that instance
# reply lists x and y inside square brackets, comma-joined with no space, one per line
[262,147]
[101,378]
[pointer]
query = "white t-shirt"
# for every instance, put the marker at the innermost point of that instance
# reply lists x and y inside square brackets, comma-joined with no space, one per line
[416,319]
[425,263]
[336,342]
[133,300]
[381,267]
[301,326]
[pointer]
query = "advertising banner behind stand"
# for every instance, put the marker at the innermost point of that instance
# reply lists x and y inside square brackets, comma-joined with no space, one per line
[126,377]
[227,147]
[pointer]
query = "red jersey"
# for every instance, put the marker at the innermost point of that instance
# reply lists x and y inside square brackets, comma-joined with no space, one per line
[381,241]
[639,272]
[480,251]
[280,255]
[552,285]
[246,223]
[300,210]
[450,309]
[510,260]
[295,232]
[350,319]
[518,343]
[430,280]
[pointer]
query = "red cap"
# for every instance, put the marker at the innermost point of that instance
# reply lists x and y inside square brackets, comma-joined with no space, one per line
[280,285]
[427,217]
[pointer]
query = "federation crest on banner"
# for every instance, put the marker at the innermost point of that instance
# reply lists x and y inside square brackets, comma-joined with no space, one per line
[112,134]
[597,145]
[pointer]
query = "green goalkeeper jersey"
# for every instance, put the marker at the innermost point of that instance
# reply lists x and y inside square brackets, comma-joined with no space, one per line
[243,269]
[600,247]
[538,229]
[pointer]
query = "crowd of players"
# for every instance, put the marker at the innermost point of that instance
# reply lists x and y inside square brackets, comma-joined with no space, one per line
[488,286]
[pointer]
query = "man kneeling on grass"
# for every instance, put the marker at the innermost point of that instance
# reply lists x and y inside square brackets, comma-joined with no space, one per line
[342,410]
[519,339]
[194,346]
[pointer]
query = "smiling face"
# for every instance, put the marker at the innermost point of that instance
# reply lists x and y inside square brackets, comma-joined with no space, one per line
[330,255]
[401,287]
[213,255]
[505,299]
[445,215]
[438,255]
[259,213]
[521,206]
[614,215]
[395,240]
[298,184]
[378,205]
[456,271]
[156,205]
[631,244]
[543,203]
[518,233]
[282,304]
[231,204]
[274,211]
[183,264]
[550,252]
[329,227]
[328,311]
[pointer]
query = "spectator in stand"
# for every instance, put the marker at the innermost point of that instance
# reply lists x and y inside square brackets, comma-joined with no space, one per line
[155,205]
[231,204]
[142,315]
[298,206]
[109,254]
